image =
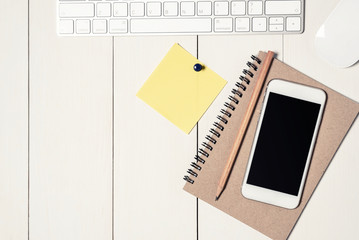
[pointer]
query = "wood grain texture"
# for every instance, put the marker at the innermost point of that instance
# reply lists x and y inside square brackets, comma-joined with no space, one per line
[151,154]
[334,204]
[13,120]
[228,58]
[70,131]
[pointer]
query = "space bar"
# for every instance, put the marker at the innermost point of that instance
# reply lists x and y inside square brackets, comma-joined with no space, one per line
[171,25]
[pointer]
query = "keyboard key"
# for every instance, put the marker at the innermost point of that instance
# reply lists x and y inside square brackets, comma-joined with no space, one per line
[204,8]
[154,9]
[99,26]
[283,7]
[276,20]
[238,8]
[66,26]
[120,9]
[242,24]
[187,8]
[118,26]
[276,28]
[137,9]
[276,24]
[77,10]
[223,25]
[255,8]
[293,24]
[171,25]
[259,24]
[221,8]
[103,9]
[170,9]
[83,26]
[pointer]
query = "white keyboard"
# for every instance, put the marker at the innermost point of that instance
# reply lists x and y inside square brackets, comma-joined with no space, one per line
[133,17]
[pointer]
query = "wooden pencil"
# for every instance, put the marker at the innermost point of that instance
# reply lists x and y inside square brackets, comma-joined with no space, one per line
[244,125]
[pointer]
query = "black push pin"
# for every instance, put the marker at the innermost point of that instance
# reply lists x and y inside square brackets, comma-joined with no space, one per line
[197,67]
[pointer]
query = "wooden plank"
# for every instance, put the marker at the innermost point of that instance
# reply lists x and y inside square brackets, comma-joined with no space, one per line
[228,57]
[70,131]
[13,120]
[151,154]
[333,211]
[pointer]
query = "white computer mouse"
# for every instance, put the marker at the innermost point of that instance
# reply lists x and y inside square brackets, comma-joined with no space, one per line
[337,40]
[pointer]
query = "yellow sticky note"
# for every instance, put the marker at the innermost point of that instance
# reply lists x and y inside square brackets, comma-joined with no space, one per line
[178,92]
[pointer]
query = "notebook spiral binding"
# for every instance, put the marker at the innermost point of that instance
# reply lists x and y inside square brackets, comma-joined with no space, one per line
[203,153]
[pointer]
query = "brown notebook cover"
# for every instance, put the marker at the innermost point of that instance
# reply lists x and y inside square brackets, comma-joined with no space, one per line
[275,222]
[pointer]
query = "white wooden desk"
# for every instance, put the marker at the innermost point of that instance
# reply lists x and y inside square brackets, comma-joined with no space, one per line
[82,158]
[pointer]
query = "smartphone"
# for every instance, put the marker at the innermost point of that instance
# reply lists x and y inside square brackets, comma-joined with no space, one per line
[283,143]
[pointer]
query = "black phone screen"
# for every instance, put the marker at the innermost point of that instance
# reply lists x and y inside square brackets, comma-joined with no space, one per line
[283,143]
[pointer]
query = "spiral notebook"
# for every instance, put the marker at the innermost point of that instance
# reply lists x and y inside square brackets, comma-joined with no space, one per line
[205,172]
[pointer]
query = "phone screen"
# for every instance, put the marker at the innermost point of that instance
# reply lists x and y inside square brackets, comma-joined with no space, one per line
[283,143]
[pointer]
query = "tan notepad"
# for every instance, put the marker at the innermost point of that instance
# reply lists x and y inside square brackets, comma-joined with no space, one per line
[275,222]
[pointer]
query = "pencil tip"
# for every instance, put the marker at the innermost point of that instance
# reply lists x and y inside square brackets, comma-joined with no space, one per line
[217,198]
